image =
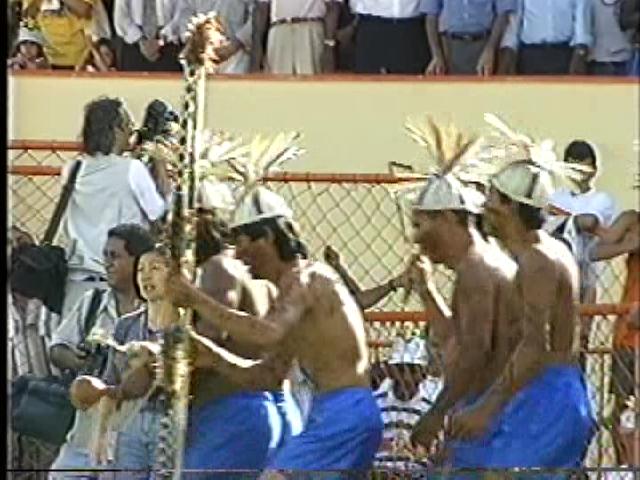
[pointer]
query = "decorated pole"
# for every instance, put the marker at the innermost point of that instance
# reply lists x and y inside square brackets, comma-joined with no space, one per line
[198,58]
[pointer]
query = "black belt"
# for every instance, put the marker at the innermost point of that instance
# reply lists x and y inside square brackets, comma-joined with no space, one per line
[94,278]
[389,20]
[468,37]
[546,45]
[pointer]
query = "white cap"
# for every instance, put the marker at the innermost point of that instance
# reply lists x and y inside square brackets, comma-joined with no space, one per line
[30,35]
[214,195]
[413,352]
[448,193]
[262,203]
[526,183]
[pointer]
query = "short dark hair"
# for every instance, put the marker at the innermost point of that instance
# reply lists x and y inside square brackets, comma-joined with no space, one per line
[531,217]
[580,150]
[101,118]
[212,234]
[285,233]
[137,240]
[105,42]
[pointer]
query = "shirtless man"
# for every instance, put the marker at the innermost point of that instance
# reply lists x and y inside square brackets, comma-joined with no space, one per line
[537,413]
[476,335]
[315,321]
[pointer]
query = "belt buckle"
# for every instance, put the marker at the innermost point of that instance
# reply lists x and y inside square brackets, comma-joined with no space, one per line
[288,20]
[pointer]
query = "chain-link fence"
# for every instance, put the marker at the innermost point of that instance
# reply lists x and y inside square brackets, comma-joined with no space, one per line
[361,217]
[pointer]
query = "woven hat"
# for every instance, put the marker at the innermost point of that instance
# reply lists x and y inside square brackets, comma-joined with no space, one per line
[262,203]
[449,156]
[30,35]
[411,352]
[226,158]
[524,170]
[215,195]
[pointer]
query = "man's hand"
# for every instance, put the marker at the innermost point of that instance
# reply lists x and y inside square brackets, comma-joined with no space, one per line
[471,422]
[227,50]
[150,49]
[418,272]
[179,290]
[437,66]
[507,59]
[332,256]
[578,65]
[486,63]
[427,429]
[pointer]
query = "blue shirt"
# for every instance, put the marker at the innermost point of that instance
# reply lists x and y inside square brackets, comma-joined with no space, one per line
[550,21]
[467,16]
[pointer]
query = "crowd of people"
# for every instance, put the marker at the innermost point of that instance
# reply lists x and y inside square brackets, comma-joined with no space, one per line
[282,376]
[299,37]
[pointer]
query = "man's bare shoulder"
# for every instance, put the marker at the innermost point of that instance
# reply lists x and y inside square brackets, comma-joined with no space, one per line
[487,267]
[225,266]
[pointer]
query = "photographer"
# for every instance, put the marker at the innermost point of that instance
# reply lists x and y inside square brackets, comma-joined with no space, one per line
[157,142]
[96,309]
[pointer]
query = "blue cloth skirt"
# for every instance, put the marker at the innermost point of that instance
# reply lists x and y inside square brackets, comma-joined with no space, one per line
[547,424]
[343,432]
[235,432]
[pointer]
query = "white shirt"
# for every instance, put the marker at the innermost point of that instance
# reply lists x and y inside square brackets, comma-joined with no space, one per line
[281,9]
[387,8]
[101,200]
[127,19]
[398,418]
[600,204]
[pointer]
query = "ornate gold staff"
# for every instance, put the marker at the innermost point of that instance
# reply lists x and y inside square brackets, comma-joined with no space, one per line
[205,33]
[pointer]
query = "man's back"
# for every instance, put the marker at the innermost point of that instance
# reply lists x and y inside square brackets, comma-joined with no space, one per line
[103,197]
[548,267]
[330,341]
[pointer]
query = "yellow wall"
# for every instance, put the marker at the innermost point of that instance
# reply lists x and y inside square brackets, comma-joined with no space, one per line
[356,125]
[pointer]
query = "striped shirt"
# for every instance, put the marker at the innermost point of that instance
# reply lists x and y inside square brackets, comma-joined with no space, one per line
[399,417]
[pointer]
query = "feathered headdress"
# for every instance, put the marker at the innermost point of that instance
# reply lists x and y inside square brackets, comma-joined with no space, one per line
[246,165]
[524,170]
[450,154]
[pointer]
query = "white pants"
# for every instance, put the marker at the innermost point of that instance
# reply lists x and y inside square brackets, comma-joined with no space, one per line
[295,49]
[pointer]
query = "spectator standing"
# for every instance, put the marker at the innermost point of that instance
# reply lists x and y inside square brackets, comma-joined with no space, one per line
[474,30]
[110,189]
[551,37]
[29,54]
[390,37]
[630,21]
[63,24]
[236,16]
[147,31]
[403,397]
[301,38]
[589,208]
[68,348]
[611,50]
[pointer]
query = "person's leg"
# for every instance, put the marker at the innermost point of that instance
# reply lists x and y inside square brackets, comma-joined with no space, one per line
[308,47]
[132,452]
[369,37]
[71,458]
[408,51]
[464,56]
[280,50]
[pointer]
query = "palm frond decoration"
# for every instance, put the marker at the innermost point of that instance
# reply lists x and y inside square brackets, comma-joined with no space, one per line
[505,146]
[228,158]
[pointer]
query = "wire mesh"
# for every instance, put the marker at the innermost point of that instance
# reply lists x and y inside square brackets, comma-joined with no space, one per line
[363,221]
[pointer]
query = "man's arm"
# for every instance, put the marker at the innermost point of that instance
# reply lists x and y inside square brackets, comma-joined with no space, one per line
[331,17]
[438,64]
[537,281]
[244,327]
[487,60]
[32,8]
[582,36]
[80,8]
[260,23]
[475,313]
[146,191]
